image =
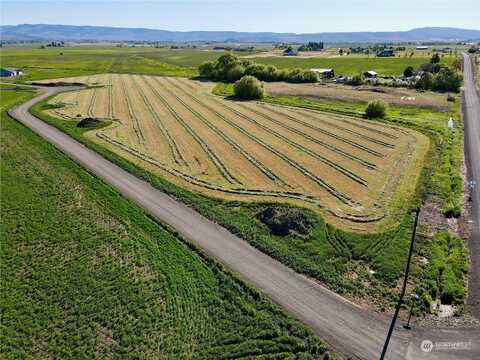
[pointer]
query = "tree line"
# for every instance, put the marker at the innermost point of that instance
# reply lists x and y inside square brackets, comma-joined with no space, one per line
[230,68]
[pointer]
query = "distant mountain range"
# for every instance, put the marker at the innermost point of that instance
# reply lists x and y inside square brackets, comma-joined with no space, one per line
[102,33]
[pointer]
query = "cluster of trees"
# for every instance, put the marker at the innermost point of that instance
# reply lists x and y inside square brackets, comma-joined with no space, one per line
[437,76]
[311,46]
[230,68]
[445,79]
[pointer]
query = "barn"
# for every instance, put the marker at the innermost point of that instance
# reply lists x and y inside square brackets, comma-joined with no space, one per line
[9,72]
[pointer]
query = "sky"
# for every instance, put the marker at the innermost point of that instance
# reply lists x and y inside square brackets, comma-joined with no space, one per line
[299,16]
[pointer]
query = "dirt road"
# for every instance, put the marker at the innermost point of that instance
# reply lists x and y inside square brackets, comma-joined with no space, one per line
[349,329]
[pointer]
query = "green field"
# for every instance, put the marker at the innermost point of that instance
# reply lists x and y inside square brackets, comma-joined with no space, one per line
[52,63]
[349,65]
[75,61]
[86,274]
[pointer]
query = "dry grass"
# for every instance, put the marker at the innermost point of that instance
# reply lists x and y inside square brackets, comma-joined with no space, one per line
[350,170]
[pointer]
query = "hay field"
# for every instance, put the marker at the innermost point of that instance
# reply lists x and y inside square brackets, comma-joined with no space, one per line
[355,172]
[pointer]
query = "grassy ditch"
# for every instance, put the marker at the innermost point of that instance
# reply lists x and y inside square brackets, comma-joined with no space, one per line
[445,275]
[363,265]
[87,274]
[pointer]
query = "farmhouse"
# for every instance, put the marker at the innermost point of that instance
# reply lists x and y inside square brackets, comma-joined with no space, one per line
[370,74]
[9,72]
[385,53]
[324,73]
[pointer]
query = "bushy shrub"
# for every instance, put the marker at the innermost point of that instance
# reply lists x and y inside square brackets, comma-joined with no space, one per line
[425,82]
[248,87]
[376,109]
[295,76]
[408,72]
[435,58]
[445,80]
[310,76]
[355,80]
[235,73]
[206,69]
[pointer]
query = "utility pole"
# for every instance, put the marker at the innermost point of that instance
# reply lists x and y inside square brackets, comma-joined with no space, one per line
[404,287]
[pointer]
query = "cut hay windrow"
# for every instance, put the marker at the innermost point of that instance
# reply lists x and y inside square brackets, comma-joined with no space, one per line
[110,97]
[203,183]
[342,128]
[339,118]
[333,148]
[322,183]
[325,132]
[131,112]
[91,106]
[260,166]
[211,154]
[174,149]
[324,160]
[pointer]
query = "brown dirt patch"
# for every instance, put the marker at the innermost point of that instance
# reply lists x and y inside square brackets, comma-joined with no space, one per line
[393,96]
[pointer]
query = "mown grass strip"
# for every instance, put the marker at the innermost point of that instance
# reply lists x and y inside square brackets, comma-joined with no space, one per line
[91,105]
[110,97]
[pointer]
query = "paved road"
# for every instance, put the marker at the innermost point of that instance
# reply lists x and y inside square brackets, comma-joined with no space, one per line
[472,155]
[350,330]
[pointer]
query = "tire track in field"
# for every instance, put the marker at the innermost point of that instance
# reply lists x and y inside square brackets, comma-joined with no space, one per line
[213,157]
[174,149]
[322,183]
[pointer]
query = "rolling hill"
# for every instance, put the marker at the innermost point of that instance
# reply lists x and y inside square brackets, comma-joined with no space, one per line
[101,33]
